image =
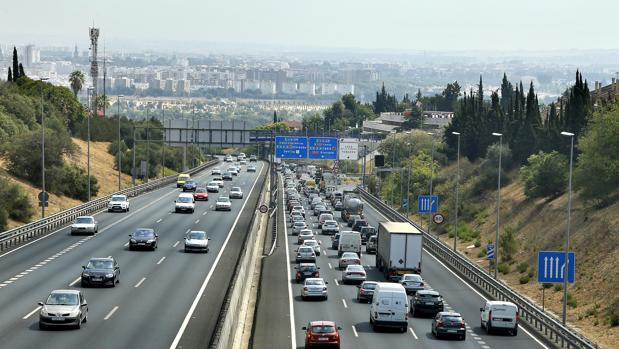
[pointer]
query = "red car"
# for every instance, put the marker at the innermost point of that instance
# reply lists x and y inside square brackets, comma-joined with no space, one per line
[322,333]
[200,194]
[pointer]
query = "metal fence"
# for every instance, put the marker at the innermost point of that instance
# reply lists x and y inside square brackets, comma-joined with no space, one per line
[29,231]
[544,323]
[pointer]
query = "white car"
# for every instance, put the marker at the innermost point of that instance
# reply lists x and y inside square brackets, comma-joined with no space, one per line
[219,181]
[184,203]
[314,287]
[243,162]
[306,254]
[196,241]
[296,218]
[63,308]
[315,244]
[233,171]
[353,273]
[216,171]
[330,227]
[298,226]
[236,193]
[118,203]
[228,158]
[212,187]
[305,234]
[223,204]
[85,225]
[348,258]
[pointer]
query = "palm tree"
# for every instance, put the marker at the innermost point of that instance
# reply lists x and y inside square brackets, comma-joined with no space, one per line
[77,81]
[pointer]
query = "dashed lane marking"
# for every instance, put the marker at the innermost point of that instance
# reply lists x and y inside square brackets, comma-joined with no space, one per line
[176,244]
[75,281]
[159,220]
[109,315]
[139,283]
[32,312]
[413,332]
[354,331]
[161,260]
[344,301]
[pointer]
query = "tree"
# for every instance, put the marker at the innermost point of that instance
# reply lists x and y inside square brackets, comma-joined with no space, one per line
[10,76]
[76,80]
[545,175]
[507,91]
[15,65]
[313,123]
[21,71]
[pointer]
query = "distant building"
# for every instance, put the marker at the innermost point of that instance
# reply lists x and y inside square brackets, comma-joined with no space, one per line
[437,119]
[604,92]
[183,87]
[170,86]
[386,123]
[32,55]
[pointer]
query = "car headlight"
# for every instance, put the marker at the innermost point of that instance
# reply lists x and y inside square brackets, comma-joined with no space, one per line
[85,274]
[43,312]
[110,275]
[133,241]
[150,241]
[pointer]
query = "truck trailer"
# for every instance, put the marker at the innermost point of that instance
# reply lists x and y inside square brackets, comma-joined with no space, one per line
[399,249]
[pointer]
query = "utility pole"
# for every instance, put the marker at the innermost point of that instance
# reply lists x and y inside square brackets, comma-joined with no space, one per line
[118,150]
[193,137]
[163,139]
[43,152]
[567,230]
[498,206]
[89,93]
[133,173]
[147,146]
[431,175]
[457,183]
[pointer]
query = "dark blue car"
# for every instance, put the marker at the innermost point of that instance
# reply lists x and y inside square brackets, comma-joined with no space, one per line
[190,185]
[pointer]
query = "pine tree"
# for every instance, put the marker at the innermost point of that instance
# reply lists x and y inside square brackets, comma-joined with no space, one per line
[15,65]
[533,116]
[21,71]
[275,116]
[10,77]
[507,91]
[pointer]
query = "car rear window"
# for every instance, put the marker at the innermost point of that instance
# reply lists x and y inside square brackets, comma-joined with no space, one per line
[323,329]
[428,296]
[369,286]
[452,318]
[84,220]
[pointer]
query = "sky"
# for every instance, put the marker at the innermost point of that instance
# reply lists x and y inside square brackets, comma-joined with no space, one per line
[402,25]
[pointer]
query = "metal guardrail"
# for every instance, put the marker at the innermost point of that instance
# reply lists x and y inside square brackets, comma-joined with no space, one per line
[545,324]
[21,234]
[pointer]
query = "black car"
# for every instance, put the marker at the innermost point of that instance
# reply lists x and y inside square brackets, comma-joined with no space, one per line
[101,271]
[144,238]
[335,242]
[227,176]
[190,185]
[449,323]
[426,302]
[306,270]
[366,291]
[358,224]
[351,219]
[338,206]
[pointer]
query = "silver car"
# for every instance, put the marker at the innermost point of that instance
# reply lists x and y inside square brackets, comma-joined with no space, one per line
[305,234]
[216,171]
[223,204]
[196,241]
[236,193]
[295,218]
[298,226]
[212,187]
[353,273]
[306,254]
[118,203]
[330,227]
[314,287]
[63,308]
[312,243]
[412,283]
[85,225]
[347,259]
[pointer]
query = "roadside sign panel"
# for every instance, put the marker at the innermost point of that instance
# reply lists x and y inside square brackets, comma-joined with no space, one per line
[490,251]
[427,204]
[290,147]
[348,149]
[551,267]
[322,148]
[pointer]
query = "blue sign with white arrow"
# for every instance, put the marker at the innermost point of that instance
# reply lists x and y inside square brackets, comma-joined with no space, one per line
[490,251]
[427,204]
[322,148]
[551,266]
[290,147]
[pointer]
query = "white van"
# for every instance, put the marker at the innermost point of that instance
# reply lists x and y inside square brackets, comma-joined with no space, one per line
[184,203]
[350,241]
[497,315]
[389,306]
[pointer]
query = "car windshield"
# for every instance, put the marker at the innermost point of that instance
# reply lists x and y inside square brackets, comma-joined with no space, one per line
[190,183]
[217,179]
[314,282]
[184,199]
[349,255]
[118,198]
[299,224]
[62,299]
[144,233]
[323,329]
[311,243]
[306,249]
[427,295]
[197,235]
[413,277]
[452,318]
[307,268]
[223,199]
[84,220]
[99,264]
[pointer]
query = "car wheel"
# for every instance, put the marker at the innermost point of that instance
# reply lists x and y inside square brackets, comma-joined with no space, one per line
[515,331]
[42,326]
[403,329]
[84,284]
[130,248]
[79,322]
[86,317]
[481,324]
[488,327]
[413,313]
[463,337]
[114,283]
[127,209]
[186,250]
[326,297]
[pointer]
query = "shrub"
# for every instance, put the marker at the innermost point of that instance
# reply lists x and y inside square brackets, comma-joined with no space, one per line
[481,254]
[524,279]
[72,181]
[4,217]
[546,285]
[545,175]
[571,301]
[613,313]
[558,287]
[503,268]
[477,242]
[522,267]
[15,201]
[531,273]
[508,243]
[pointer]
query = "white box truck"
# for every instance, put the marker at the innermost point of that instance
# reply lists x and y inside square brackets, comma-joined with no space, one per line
[399,249]
[350,241]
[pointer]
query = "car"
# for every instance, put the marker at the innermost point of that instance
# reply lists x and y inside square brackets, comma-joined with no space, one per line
[351,219]
[366,291]
[228,158]
[295,213]
[144,238]
[63,308]
[323,218]
[100,271]
[338,206]
[353,273]
[184,203]
[314,288]
[412,283]
[330,227]
[426,302]
[296,218]
[219,181]
[299,208]
[212,187]
[223,204]
[498,315]
[366,232]
[190,185]
[318,208]
[233,171]
[335,241]
[348,258]
[448,323]
[201,194]
[253,158]
[306,254]
[304,234]
[118,203]
[236,193]
[358,224]
[251,168]
[322,333]
[370,246]
[316,201]
[298,226]
[243,162]
[196,240]
[315,244]
[306,270]
[227,176]
[216,171]
[84,225]
[180,180]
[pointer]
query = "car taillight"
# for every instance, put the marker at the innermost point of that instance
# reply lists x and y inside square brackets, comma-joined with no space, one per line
[361,291]
[517,317]
[490,315]
[316,274]
[304,288]
[462,324]
[298,273]
[439,324]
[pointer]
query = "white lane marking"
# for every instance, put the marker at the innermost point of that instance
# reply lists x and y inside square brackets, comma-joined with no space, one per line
[188,230]
[159,220]
[161,260]
[337,283]
[139,283]
[176,244]
[354,330]
[413,332]
[32,312]
[8,282]
[181,330]
[481,342]
[75,281]
[344,301]
[197,221]
[109,315]
[127,244]
[329,264]
[204,214]
[13,279]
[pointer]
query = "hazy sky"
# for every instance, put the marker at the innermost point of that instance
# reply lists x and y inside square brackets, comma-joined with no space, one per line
[366,24]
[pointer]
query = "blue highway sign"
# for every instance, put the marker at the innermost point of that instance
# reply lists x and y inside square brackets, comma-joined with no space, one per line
[490,251]
[322,148]
[427,204]
[551,266]
[290,147]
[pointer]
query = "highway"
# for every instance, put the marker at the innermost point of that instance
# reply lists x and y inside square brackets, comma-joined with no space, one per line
[343,308]
[160,300]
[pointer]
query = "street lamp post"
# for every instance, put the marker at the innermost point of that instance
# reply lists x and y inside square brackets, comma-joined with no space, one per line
[498,206]
[567,230]
[408,186]
[43,151]
[457,183]
[89,92]
[163,141]
[118,150]
[133,173]
[431,173]
[147,146]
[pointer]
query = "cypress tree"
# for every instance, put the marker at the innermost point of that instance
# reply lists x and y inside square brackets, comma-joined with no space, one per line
[274,116]
[15,65]
[507,91]
[21,71]
[10,77]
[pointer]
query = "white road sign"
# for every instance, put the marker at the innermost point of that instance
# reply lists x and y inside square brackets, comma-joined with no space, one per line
[348,149]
